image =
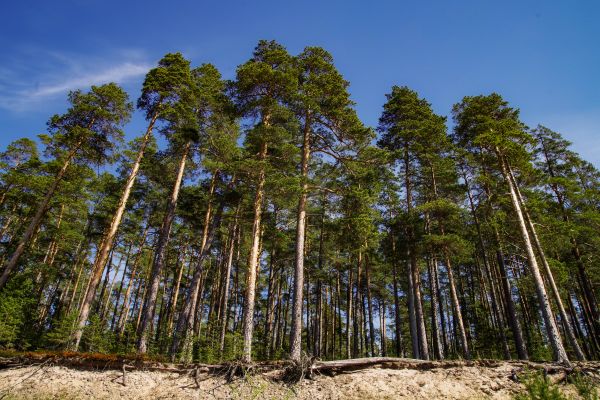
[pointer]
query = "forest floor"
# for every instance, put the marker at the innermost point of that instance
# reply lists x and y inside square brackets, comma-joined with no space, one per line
[53,378]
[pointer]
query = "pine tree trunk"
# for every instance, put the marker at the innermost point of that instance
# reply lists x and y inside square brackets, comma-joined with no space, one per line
[417,320]
[269,318]
[109,238]
[370,310]
[513,319]
[435,331]
[397,317]
[349,313]
[132,276]
[296,333]
[253,261]
[382,327]
[357,336]
[457,312]
[118,299]
[556,294]
[106,279]
[412,316]
[159,257]
[560,354]
[76,285]
[40,212]
[486,264]
[232,240]
[104,305]
[175,295]
[187,320]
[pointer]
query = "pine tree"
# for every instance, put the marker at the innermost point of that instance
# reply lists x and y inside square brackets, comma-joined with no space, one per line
[181,130]
[262,87]
[89,131]
[329,125]
[489,124]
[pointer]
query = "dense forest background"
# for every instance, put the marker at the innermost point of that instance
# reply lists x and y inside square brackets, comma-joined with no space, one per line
[258,218]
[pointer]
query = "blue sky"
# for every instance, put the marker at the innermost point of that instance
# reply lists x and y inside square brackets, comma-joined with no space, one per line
[542,56]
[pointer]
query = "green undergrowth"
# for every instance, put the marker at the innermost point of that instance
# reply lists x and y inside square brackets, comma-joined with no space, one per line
[539,387]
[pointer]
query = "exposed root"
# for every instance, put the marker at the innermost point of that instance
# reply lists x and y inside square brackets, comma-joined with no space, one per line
[297,371]
[237,369]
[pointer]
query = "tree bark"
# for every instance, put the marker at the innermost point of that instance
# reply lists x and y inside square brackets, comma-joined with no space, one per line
[40,212]
[397,317]
[296,333]
[560,355]
[556,294]
[187,317]
[159,257]
[253,259]
[227,280]
[435,331]
[109,238]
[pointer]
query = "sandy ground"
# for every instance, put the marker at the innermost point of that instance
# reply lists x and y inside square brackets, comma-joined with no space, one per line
[55,382]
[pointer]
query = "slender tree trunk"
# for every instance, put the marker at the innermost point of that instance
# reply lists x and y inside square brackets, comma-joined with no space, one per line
[560,355]
[556,294]
[370,309]
[417,320]
[320,312]
[76,285]
[435,331]
[296,334]
[40,212]
[132,276]
[187,319]
[349,313]
[253,260]
[109,238]
[412,318]
[587,289]
[106,279]
[105,306]
[358,315]
[227,279]
[457,312]
[397,317]
[175,295]
[486,265]
[513,319]
[117,300]
[159,257]
[269,318]
[382,327]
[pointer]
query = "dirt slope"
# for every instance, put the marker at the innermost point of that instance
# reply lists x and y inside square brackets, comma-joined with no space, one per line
[460,382]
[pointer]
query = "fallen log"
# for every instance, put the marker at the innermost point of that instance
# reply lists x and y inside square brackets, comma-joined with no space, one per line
[309,369]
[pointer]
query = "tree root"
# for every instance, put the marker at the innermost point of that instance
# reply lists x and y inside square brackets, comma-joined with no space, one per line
[287,371]
[297,371]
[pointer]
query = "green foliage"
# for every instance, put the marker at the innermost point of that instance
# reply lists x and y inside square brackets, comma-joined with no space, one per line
[96,337]
[166,86]
[586,387]
[16,303]
[489,122]
[539,387]
[92,124]
[61,334]
[400,206]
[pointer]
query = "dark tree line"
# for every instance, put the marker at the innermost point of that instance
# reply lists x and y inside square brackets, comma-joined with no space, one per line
[275,224]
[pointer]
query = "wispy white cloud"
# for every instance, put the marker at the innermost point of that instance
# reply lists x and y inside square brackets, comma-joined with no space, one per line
[31,78]
[119,73]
